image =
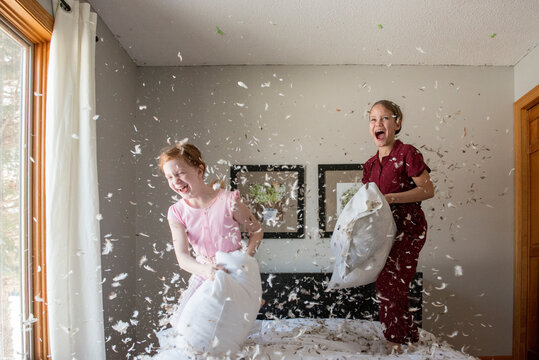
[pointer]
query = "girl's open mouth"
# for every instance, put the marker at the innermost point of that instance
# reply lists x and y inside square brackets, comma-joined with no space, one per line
[183,189]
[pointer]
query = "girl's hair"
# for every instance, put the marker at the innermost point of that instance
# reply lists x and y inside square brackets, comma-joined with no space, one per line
[190,154]
[187,152]
[394,108]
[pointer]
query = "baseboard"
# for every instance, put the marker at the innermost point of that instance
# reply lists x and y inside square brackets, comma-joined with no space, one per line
[504,357]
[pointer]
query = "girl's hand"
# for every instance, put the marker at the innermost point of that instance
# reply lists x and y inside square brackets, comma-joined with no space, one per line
[243,216]
[424,190]
[211,270]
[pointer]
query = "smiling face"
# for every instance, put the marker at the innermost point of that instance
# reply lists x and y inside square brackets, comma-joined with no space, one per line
[183,178]
[383,126]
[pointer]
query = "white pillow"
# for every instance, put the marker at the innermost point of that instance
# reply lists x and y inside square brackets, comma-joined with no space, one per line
[362,239]
[219,316]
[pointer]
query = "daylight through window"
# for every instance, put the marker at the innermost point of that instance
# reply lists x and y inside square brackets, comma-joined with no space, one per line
[15,320]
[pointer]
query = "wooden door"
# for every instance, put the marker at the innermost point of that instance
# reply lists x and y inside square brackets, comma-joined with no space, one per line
[526,304]
[533,283]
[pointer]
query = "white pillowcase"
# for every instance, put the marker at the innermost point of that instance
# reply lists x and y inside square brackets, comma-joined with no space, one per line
[363,236]
[220,314]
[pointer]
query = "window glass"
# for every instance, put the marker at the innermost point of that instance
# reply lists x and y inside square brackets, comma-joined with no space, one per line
[14,95]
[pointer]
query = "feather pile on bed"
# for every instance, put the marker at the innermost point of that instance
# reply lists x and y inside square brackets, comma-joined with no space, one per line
[334,339]
[331,339]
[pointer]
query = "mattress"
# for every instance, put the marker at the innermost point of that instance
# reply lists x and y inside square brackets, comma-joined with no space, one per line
[335,339]
[318,339]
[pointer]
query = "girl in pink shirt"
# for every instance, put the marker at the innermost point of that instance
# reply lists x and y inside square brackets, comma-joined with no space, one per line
[403,177]
[207,219]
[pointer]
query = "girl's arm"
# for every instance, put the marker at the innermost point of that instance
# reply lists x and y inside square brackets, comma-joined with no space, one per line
[423,191]
[244,217]
[185,260]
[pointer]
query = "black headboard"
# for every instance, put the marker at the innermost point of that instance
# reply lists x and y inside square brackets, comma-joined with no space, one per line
[304,295]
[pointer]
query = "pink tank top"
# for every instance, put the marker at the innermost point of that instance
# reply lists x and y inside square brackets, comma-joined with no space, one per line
[212,229]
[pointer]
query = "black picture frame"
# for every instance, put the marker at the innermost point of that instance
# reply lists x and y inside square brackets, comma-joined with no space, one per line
[289,180]
[327,213]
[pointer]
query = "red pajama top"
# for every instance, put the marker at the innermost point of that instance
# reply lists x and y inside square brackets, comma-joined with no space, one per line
[394,174]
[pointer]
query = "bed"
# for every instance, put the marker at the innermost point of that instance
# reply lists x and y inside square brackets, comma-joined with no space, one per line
[304,295]
[301,320]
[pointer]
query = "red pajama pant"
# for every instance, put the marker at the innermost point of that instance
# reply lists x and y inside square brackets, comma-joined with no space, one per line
[393,283]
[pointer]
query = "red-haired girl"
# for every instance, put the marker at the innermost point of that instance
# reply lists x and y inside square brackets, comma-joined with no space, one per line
[206,218]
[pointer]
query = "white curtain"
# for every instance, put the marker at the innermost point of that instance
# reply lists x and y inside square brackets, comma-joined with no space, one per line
[73,247]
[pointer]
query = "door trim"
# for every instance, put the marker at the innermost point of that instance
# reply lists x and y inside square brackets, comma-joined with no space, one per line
[522,192]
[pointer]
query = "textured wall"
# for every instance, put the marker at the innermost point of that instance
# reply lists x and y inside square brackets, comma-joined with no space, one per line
[115,98]
[460,118]
[527,73]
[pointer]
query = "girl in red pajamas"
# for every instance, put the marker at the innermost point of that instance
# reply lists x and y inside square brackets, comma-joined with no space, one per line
[403,177]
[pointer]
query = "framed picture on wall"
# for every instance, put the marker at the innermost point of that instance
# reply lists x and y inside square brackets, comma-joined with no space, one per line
[337,183]
[276,196]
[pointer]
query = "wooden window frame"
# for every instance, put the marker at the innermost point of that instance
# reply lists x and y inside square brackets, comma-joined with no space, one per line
[36,24]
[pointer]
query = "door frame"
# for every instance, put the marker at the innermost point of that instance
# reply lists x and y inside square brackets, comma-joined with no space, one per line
[522,221]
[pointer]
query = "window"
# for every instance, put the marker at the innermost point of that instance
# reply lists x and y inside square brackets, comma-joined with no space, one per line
[23,68]
[14,210]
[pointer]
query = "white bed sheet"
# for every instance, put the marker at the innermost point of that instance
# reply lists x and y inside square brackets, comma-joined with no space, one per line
[332,339]
[318,339]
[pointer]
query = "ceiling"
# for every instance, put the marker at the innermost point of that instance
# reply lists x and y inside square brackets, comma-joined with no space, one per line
[255,32]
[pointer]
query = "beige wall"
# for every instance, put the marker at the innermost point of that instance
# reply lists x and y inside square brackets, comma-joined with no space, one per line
[527,73]
[471,172]
[460,118]
[115,105]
